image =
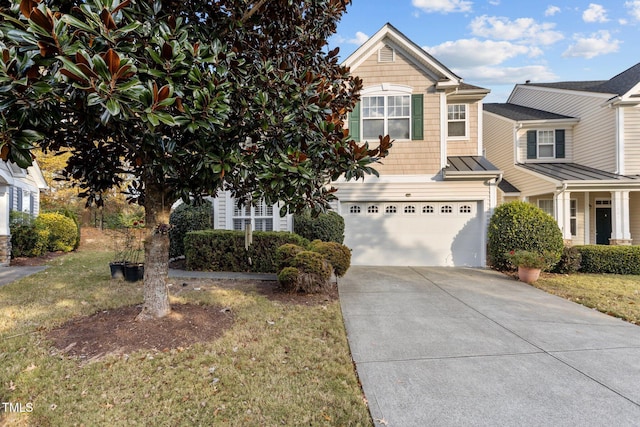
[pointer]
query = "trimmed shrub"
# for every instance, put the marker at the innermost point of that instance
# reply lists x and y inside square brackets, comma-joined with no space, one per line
[569,261]
[63,232]
[338,255]
[328,227]
[610,259]
[223,250]
[314,273]
[28,239]
[186,218]
[286,253]
[522,226]
[71,214]
[288,279]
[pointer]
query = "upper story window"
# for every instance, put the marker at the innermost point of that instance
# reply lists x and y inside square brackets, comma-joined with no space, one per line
[382,115]
[457,120]
[546,144]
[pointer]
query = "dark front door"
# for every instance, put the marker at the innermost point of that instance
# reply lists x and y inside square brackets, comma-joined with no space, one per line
[603,226]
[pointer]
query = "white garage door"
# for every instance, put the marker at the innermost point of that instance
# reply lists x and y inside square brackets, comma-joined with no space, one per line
[417,233]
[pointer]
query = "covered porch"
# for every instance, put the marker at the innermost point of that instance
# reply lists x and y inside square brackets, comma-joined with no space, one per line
[591,206]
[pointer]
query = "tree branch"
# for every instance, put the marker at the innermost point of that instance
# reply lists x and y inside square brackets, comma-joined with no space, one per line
[249,13]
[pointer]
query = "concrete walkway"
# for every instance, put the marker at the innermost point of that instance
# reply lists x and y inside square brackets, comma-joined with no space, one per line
[471,347]
[11,274]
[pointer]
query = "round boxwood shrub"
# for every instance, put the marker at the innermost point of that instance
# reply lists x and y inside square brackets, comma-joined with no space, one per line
[288,279]
[28,239]
[522,226]
[286,253]
[186,218]
[328,227]
[339,256]
[314,272]
[63,232]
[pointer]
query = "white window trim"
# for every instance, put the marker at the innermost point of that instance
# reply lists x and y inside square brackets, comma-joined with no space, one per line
[386,117]
[573,218]
[552,144]
[466,124]
[275,226]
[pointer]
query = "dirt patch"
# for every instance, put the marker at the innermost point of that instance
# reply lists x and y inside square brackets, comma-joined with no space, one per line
[117,331]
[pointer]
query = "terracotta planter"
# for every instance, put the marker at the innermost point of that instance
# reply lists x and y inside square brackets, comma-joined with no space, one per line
[528,275]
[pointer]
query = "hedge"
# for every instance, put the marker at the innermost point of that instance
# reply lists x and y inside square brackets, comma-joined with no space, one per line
[610,259]
[63,231]
[186,218]
[328,227]
[223,250]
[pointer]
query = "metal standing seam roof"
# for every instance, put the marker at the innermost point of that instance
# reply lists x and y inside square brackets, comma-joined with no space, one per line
[520,113]
[470,164]
[575,172]
[507,187]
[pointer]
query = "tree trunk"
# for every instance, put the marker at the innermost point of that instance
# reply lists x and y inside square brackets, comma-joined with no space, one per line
[156,255]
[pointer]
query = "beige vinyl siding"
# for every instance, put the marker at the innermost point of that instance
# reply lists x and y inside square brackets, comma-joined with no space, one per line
[371,190]
[634,217]
[522,145]
[632,141]
[595,135]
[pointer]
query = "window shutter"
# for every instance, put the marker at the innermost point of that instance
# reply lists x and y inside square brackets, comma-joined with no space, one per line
[417,116]
[559,143]
[354,122]
[532,144]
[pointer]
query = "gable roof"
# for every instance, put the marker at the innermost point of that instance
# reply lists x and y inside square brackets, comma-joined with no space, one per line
[389,34]
[519,113]
[576,173]
[618,85]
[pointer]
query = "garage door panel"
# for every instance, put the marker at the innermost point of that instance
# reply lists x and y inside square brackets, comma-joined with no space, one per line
[425,233]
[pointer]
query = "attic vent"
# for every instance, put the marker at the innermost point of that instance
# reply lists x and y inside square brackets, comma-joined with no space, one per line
[386,54]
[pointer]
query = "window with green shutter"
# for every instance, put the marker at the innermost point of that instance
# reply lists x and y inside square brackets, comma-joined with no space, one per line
[354,122]
[417,117]
[546,144]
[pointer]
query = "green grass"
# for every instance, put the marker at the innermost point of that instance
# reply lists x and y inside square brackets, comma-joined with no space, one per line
[616,295]
[279,364]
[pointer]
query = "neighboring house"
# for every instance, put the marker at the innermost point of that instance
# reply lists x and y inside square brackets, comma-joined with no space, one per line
[573,149]
[19,191]
[431,204]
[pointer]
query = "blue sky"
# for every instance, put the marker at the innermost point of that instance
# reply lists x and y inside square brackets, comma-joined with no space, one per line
[497,43]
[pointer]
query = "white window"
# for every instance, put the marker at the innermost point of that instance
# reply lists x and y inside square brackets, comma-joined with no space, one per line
[428,209]
[409,209]
[446,209]
[372,209]
[382,115]
[391,209]
[546,144]
[573,209]
[547,206]
[457,120]
[354,210]
[465,209]
[260,216]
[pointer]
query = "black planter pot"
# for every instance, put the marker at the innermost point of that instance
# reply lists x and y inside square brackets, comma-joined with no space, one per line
[133,272]
[117,270]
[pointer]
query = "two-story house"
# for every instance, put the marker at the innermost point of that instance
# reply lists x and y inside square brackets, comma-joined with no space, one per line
[435,193]
[573,149]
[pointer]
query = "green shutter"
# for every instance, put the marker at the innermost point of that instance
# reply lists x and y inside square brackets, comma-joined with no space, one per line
[354,122]
[532,144]
[559,143]
[417,116]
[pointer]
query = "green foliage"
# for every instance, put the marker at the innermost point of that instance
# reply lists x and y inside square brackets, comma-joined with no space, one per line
[28,238]
[526,259]
[288,279]
[338,255]
[570,261]
[286,253]
[63,232]
[522,226]
[328,227]
[224,250]
[74,216]
[187,218]
[610,259]
[314,273]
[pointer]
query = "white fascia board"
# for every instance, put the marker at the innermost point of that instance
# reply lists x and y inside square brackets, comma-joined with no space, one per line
[604,96]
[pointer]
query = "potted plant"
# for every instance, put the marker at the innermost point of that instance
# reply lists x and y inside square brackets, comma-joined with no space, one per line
[134,267]
[119,247]
[529,264]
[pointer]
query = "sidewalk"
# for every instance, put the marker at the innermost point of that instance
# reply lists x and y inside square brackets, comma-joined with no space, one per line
[11,274]
[470,347]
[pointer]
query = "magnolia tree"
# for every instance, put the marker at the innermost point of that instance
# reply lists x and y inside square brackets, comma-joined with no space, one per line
[184,98]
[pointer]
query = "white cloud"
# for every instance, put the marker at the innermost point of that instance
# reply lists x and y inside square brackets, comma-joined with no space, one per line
[359,38]
[521,29]
[595,13]
[494,2]
[443,6]
[599,43]
[505,75]
[468,53]
[551,10]
[633,8]
[622,21]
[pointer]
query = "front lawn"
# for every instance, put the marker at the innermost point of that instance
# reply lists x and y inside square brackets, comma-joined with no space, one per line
[616,295]
[280,362]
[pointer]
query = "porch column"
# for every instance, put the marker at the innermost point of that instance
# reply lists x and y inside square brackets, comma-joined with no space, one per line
[5,234]
[563,214]
[620,232]
[587,218]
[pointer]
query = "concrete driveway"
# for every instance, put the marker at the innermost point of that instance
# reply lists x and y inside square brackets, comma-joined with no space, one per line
[471,347]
